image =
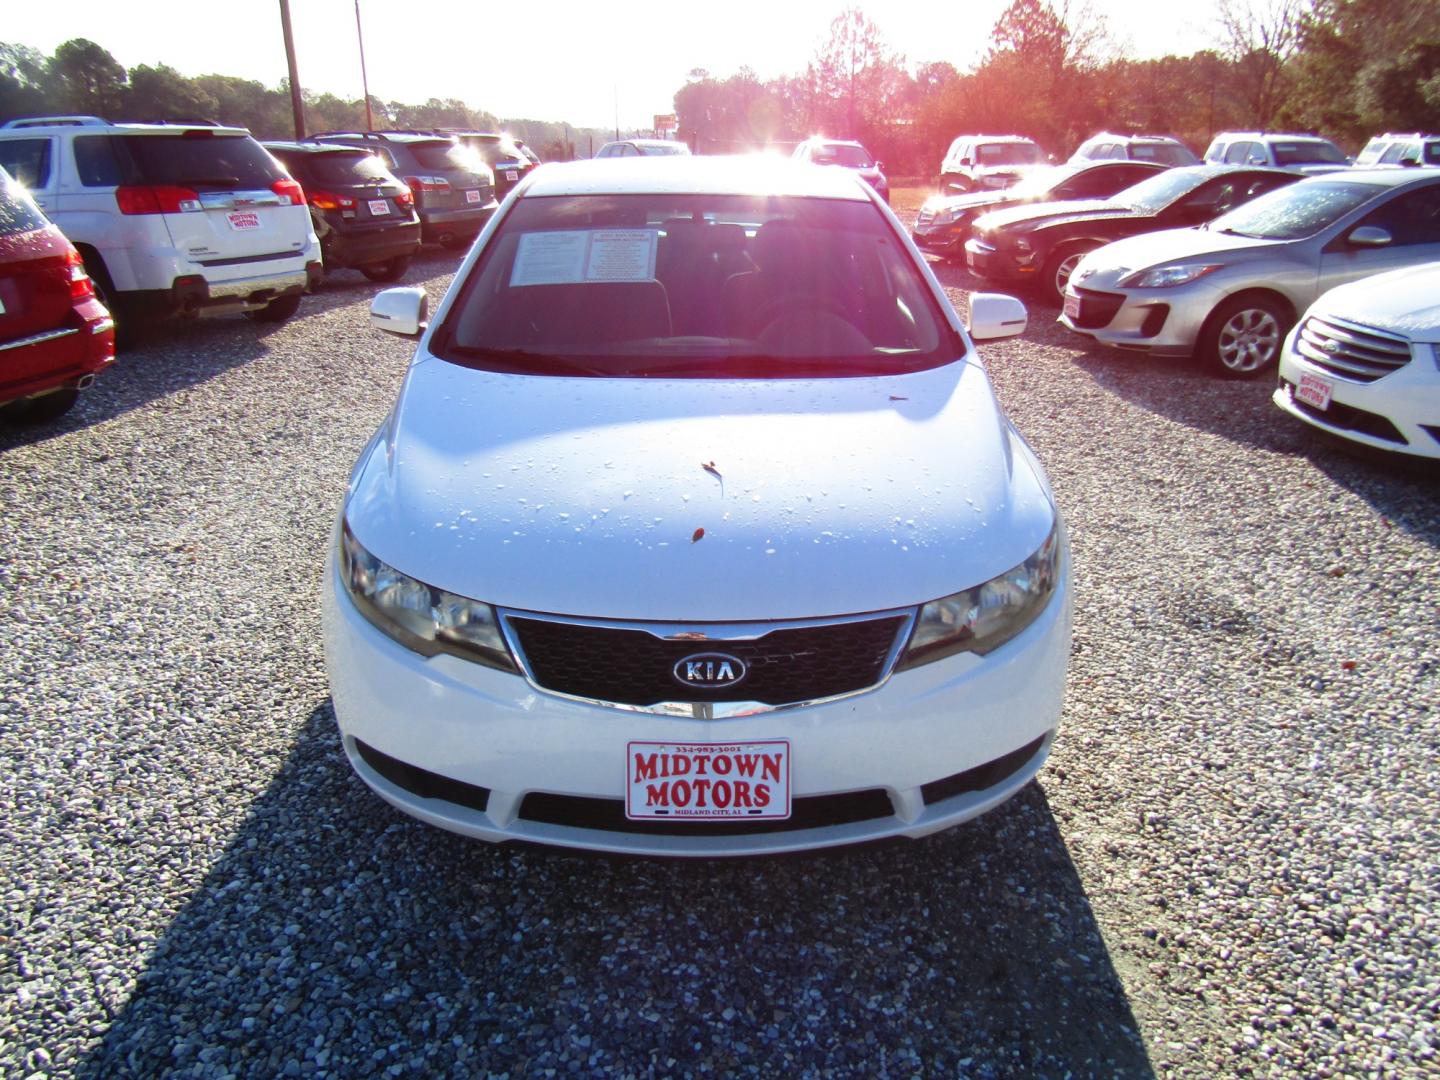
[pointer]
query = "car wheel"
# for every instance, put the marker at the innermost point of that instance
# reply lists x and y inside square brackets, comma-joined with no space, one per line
[389,270]
[1242,339]
[277,310]
[42,410]
[1058,269]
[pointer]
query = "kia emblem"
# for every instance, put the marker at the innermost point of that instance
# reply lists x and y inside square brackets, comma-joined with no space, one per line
[709,671]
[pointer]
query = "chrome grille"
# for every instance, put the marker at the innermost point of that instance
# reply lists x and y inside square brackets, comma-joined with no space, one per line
[631,665]
[1356,353]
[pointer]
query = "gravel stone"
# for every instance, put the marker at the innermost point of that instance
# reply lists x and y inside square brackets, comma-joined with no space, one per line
[1228,868]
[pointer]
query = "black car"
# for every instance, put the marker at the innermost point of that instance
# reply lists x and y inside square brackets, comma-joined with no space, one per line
[944,222]
[365,217]
[1040,245]
[453,187]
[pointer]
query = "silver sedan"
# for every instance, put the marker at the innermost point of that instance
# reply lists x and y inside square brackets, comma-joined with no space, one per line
[1228,292]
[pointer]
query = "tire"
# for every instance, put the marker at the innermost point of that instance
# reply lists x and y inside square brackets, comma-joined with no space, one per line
[1058,269]
[389,270]
[1243,336]
[277,311]
[42,410]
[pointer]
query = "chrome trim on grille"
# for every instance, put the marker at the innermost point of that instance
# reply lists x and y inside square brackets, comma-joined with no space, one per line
[708,632]
[1349,350]
[37,339]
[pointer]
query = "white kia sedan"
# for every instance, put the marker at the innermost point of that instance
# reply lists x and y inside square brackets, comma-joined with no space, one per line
[696,530]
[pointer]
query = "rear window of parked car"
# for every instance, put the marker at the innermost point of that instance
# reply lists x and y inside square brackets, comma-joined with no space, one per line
[1007,153]
[360,168]
[445,155]
[190,159]
[690,286]
[1306,153]
[17,213]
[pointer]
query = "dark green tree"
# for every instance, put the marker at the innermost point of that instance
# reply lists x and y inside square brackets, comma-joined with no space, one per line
[88,79]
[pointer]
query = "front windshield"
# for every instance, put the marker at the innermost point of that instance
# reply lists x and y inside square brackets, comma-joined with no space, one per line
[662,149]
[696,286]
[1299,210]
[1154,193]
[852,157]
[1165,153]
[1308,152]
[1008,153]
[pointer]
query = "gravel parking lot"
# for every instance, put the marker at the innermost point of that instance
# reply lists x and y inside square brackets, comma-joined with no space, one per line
[1230,867]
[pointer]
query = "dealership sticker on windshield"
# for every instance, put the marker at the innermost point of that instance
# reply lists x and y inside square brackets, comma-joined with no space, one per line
[708,781]
[1315,391]
[572,256]
[243,220]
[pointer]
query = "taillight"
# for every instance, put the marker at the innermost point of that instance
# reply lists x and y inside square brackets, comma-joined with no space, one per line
[290,190]
[157,200]
[80,284]
[328,200]
[405,198]
[427,183]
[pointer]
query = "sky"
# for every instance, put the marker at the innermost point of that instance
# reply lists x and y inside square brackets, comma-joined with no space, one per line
[585,63]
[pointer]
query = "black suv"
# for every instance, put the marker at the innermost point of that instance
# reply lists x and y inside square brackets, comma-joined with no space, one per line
[454,189]
[365,217]
[504,156]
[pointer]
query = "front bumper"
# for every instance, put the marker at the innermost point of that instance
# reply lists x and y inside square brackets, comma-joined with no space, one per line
[1161,322]
[483,753]
[1399,412]
[990,262]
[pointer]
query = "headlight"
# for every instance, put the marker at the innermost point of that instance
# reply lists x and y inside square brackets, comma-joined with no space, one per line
[945,217]
[1023,246]
[983,618]
[418,616]
[1164,277]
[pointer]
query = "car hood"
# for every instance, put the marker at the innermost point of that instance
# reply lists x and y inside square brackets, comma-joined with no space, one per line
[1037,213]
[592,496]
[1169,245]
[1403,302]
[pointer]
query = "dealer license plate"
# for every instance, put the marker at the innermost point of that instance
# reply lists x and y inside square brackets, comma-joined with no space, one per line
[511,175]
[243,220]
[708,781]
[472,196]
[379,208]
[1072,306]
[1315,391]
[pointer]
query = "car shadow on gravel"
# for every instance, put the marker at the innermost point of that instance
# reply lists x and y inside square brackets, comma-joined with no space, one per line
[337,936]
[170,358]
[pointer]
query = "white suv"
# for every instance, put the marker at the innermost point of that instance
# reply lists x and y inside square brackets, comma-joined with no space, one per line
[981,162]
[1308,154]
[171,219]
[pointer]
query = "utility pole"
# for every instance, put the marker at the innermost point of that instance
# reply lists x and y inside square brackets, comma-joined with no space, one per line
[364,81]
[297,107]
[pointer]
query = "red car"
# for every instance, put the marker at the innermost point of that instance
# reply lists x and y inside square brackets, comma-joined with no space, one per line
[54,334]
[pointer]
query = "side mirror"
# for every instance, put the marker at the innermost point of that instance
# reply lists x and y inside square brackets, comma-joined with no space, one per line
[879,165]
[400,311]
[994,316]
[1370,236]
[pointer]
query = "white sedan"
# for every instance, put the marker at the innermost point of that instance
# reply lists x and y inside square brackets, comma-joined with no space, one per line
[696,529]
[1364,362]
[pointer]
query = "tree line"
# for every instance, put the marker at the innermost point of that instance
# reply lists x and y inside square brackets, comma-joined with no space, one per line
[1347,69]
[1342,68]
[83,78]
